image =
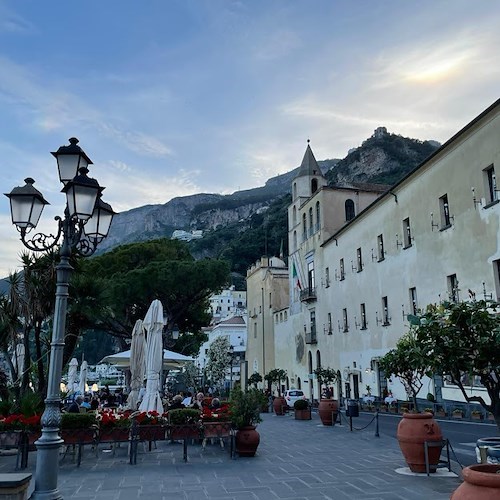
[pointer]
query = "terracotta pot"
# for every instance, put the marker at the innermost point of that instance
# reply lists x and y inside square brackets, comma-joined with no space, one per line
[279,405]
[481,481]
[413,430]
[247,440]
[328,410]
[303,414]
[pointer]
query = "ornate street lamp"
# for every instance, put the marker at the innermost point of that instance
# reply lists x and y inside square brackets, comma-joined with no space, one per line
[86,222]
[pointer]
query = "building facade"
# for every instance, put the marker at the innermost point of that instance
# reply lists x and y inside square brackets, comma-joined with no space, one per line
[361,260]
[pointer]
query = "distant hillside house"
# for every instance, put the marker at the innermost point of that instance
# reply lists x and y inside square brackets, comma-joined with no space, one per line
[229,302]
[180,234]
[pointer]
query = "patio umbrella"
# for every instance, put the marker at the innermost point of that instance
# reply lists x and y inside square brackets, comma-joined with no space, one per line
[137,353]
[83,377]
[153,324]
[171,360]
[72,369]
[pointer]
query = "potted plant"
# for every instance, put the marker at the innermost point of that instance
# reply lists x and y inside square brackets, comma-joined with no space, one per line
[245,413]
[302,409]
[328,407]
[458,413]
[113,426]
[409,362]
[440,412]
[185,423]
[429,410]
[476,415]
[215,422]
[78,428]
[279,403]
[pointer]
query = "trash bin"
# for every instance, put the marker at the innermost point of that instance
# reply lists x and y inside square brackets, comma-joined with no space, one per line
[352,408]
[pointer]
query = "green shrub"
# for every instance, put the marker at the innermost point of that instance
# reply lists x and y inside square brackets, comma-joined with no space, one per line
[78,420]
[301,404]
[184,416]
[245,407]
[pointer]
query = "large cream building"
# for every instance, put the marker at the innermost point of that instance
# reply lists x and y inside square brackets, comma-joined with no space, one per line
[361,260]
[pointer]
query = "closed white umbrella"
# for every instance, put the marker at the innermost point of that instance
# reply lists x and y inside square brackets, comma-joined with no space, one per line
[137,366]
[153,324]
[72,372]
[83,377]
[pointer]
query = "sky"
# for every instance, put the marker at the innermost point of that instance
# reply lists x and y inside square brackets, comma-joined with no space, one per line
[176,97]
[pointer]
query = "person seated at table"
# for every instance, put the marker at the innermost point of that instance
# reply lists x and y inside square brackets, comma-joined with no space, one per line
[198,402]
[74,407]
[187,400]
[86,403]
[177,403]
[94,404]
[215,404]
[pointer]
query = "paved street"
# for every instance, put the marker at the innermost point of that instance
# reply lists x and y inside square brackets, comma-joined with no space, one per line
[295,460]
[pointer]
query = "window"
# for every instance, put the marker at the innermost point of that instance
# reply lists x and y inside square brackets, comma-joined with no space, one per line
[294,190]
[413,301]
[496,276]
[311,222]
[349,210]
[342,270]
[312,316]
[286,316]
[327,277]
[407,233]
[359,259]
[362,308]
[444,208]
[255,330]
[453,287]
[270,302]
[344,316]
[276,319]
[386,320]
[380,247]
[314,185]
[318,214]
[330,327]
[295,240]
[310,276]
[304,227]
[492,184]
[294,216]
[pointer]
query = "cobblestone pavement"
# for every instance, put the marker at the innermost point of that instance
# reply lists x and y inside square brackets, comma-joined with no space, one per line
[295,460]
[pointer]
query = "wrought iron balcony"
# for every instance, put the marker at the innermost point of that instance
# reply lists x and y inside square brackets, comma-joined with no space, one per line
[308,294]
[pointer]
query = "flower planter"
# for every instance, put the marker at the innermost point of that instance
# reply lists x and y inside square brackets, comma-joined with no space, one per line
[476,417]
[441,414]
[486,442]
[187,431]
[328,410]
[303,414]
[151,432]
[216,429]
[78,436]
[247,441]
[480,481]
[413,430]
[10,439]
[458,415]
[114,434]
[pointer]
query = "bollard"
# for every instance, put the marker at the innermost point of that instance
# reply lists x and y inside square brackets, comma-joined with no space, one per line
[483,453]
[376,424]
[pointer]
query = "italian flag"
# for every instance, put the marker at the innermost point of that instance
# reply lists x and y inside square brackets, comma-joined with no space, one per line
[296,277]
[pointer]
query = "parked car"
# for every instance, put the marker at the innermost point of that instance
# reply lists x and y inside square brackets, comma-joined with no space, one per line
[292,395]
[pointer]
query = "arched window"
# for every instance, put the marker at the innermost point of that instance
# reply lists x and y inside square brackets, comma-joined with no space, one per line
[311,221]
[304,226]
[318,359]
[314,185]
[349,210]
[294,190]
[295,240]
[318,214]
[294,216]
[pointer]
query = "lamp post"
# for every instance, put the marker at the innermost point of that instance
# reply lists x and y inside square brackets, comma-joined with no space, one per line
[85,224]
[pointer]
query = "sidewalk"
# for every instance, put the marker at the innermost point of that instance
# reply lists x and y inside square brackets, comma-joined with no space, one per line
[295,460]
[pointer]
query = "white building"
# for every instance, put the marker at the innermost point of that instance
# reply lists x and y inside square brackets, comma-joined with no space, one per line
[229,302]
[361,260]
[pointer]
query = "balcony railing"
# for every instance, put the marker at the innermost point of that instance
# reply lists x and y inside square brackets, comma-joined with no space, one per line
[311,338]
[308,294]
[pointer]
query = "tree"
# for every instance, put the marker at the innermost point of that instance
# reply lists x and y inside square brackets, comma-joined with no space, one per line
[409,362]
[132,276]
[275,376]
[218,359]
[462,340]
[326,376]
[254,379]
